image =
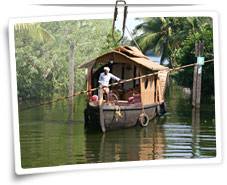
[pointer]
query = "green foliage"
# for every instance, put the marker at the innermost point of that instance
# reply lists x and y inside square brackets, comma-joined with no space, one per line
[174,38]
[42,64]
[185,55]
[42,50]
[36,31]
[156,35]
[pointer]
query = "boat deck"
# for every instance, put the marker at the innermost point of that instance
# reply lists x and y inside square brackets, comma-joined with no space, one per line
[122,104]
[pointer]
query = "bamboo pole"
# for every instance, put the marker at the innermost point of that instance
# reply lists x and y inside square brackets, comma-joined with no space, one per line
[116,83]
[101,114]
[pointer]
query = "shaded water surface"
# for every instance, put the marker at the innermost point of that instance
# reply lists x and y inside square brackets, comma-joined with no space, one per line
[47,139]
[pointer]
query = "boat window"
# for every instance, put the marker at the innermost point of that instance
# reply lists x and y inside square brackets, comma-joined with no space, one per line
[146,83]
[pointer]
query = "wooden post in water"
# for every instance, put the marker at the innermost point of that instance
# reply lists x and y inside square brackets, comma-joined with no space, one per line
[194,85]
[198,88]
[101,115]
[195,131]
[197,78]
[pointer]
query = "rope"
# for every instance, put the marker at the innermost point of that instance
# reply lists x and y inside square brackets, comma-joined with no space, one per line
[137,45]
[113,84]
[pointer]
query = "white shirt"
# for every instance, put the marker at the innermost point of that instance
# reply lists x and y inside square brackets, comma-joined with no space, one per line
[104,79]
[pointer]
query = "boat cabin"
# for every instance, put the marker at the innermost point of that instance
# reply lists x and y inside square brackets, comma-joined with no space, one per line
[128,62]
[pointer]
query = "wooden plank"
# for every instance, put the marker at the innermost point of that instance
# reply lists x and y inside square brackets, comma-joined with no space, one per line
[149,98]
[157,91]
[152,89]
[146,90]
[160,92]
[163,78]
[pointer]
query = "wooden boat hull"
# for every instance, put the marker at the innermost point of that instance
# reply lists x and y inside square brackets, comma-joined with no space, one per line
[129,116]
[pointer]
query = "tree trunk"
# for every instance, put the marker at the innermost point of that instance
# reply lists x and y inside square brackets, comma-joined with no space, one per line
[71,81]
[166,55]
[163,55]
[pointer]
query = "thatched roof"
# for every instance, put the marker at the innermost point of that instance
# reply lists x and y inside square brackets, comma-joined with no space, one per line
[129,54]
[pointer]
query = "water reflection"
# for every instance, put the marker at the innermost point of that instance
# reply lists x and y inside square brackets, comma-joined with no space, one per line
[47,139]
[152,143]
[195,131]
[126,145]
[70,143]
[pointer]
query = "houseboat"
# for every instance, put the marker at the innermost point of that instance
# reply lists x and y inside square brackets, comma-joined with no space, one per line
[136,99]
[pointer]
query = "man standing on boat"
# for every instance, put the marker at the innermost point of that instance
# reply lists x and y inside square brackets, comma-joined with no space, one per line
[104,79]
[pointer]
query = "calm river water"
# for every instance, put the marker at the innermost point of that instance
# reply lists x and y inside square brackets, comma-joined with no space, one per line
[47,139]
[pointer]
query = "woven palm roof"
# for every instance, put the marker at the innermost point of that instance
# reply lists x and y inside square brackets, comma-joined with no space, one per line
[130,54]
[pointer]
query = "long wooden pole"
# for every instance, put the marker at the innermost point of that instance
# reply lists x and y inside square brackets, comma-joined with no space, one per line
[195,128]
[198,88]
[195,75]
[116,83]
[197,78]
[101,114]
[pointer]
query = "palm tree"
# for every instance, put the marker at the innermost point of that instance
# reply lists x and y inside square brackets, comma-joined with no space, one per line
[157,36]
[35,30]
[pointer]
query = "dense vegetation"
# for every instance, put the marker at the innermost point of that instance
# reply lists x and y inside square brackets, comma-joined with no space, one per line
[43,51]
[174,39]
[43,54]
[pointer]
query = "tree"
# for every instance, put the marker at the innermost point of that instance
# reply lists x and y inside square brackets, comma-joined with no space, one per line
[185,55]
[42,67]
[36,31]
[156,35]
[71,79]
[174,38]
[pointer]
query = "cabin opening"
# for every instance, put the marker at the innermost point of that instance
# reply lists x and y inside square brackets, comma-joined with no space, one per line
[126,63]
[135,91]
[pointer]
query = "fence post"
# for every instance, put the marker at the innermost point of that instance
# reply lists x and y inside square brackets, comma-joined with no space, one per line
[194,85]
[197,78]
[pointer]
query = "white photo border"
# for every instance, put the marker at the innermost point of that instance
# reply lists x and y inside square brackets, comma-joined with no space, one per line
[17,153]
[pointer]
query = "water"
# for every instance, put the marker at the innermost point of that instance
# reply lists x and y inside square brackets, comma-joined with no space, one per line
[47,139]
